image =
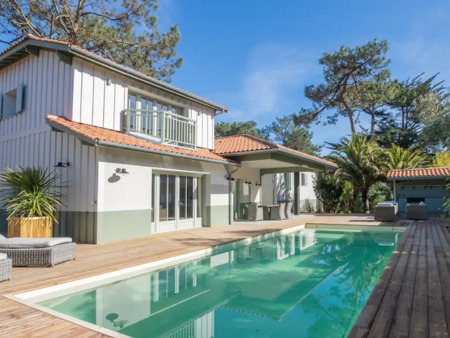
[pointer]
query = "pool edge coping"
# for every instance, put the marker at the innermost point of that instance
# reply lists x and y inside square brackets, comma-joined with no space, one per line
[109,277]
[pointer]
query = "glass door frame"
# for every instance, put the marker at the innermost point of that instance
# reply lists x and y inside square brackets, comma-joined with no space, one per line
[159,226]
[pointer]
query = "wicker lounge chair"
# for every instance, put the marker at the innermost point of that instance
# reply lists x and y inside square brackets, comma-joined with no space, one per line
[416,211]
[277,212]
[38,251]
[386,212]
[255,213]
[5,267]
[288,210]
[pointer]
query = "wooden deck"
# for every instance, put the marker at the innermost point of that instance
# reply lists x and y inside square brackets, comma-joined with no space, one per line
[422,258]
[412,297]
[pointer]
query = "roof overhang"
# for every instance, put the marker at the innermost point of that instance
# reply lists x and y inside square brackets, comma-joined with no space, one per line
[284,161]
[31,46]
[96,142]
[418,178]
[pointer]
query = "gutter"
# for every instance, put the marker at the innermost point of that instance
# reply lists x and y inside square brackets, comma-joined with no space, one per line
[243,153]
[418,178]
[98,142]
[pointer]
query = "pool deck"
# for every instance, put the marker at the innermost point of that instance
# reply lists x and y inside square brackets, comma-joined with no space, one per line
[396,307]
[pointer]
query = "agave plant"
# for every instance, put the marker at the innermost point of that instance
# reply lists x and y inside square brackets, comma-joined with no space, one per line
[30,192]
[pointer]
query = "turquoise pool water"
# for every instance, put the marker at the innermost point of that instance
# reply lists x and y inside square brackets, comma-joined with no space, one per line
[311,283]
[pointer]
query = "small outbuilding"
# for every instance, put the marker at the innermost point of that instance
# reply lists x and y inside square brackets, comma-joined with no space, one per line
[418,185]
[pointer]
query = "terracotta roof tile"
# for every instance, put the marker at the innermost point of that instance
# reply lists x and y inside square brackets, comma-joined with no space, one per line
[32,37]
[94,134]
[419,172]
[247,143]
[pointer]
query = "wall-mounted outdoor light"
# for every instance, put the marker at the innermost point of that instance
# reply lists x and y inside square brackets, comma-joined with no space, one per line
[108,82]
[122,171]
[62,164]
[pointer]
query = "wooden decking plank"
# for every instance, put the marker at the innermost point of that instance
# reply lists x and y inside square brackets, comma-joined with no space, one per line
[436,314]
[419,315]
[383,320]
[402,314]
[364,322]
[444,272]
[413,314]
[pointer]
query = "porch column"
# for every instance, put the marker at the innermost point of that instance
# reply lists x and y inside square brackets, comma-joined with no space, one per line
[297,193]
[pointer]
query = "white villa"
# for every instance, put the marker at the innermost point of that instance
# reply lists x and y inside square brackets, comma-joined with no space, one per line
[137,156]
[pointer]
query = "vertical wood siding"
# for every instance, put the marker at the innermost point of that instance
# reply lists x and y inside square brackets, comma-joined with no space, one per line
[27,141]
[94,102]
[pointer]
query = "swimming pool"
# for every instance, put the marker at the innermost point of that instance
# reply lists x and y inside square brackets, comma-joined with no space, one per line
[313,282]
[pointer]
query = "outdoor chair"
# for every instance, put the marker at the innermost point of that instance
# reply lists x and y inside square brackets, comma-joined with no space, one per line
[5,267]
[288,210]
[416,211]
[385,212]
[255,213]
[277,212]
[38,251]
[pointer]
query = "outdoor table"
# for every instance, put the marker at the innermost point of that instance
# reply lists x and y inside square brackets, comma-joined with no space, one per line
[266,209]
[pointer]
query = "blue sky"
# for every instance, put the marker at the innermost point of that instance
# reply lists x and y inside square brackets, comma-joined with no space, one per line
[257,56]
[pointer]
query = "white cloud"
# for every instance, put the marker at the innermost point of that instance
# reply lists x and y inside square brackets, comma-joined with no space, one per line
[273,75]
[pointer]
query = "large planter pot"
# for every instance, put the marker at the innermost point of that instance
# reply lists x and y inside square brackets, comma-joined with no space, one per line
[31,227]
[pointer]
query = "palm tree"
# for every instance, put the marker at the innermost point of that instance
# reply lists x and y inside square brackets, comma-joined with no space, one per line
[360,161]
[399,158]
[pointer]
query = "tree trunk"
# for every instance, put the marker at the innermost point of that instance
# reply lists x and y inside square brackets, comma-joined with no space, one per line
[352,122]
[350,116]
[373,123]
[365,200]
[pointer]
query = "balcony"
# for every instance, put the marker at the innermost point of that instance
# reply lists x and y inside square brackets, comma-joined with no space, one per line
[161,126]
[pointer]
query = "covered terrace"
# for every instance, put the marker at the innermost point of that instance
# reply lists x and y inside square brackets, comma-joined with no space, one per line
[257,158]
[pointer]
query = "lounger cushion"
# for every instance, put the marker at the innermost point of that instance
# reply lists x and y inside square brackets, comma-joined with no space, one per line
[22,243]
[2,237]
[3,256]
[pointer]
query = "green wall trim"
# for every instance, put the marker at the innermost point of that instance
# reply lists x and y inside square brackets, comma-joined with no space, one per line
[3,222]
[217,215]
[121,225]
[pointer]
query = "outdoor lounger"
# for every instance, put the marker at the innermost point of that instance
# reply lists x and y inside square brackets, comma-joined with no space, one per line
[38,251]
[386,212]
[416,211]
[5,267]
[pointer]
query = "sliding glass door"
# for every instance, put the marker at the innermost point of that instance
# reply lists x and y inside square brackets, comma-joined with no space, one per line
[177,202]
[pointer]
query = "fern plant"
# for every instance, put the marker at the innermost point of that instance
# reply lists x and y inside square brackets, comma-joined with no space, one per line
[30,192]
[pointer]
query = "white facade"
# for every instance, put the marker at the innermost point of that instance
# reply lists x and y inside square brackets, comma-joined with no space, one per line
[96,208]
[274,189]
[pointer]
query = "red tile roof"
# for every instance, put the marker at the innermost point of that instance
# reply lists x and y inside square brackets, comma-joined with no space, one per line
[114,137]
[419,172]
[248,143]
[32,37]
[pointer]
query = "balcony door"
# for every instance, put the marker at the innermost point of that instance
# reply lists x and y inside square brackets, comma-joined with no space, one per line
[177,202]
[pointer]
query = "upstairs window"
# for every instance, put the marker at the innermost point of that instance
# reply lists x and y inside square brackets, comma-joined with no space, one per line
[136,101]
[12,102]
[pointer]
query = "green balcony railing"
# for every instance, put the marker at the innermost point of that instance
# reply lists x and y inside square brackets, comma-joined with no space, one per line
[162,126]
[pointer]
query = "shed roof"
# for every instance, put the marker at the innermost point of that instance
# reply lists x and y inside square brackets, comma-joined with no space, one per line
[419,173]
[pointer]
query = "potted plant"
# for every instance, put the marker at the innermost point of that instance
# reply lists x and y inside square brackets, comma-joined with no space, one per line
[30,196]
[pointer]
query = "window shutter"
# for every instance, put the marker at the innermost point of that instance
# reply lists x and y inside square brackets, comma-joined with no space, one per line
[19,98]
